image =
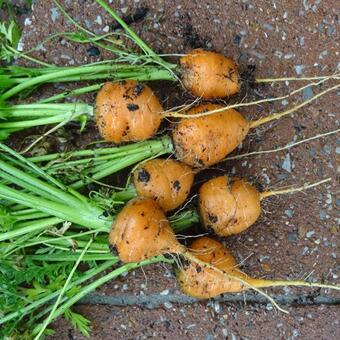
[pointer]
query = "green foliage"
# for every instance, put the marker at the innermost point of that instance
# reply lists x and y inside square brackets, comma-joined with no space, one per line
[78,322]
[10,35]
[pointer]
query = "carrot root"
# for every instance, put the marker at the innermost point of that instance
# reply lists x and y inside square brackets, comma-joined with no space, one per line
[306,186]
[273,80]
[286,147]
[179,114]
[276,116]
[260,283]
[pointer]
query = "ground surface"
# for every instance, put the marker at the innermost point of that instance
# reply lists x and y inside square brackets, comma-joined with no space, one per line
[297,235]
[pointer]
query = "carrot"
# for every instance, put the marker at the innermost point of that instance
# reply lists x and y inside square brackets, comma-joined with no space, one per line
[127,111]
[222,274]
[141,231]
[209,132]
[209,74]
[229,207]
[166,180]
[205,141]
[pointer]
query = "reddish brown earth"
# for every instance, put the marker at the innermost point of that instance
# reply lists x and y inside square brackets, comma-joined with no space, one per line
[297,235]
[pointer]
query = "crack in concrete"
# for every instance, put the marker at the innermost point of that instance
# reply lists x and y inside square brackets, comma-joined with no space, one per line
[155,300]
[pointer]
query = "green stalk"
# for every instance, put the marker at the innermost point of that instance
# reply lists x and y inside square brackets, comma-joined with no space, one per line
[88,216]
[108,277]
[63,290]
[71,93]
[30,227]
[92,72]
[70,257]
[162,142]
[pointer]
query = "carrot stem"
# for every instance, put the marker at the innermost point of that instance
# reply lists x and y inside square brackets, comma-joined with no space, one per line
[306,186]
[276,116]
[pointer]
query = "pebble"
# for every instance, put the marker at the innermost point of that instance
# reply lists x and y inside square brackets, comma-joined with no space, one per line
[293,237]
[307,93]
[237,39]
[310,233]
[99,20]
[28,22]
[167,305]
[54,14]
[287,164]
[289,212]
[337,202]
[268,27]
[164,292]
[209,336]
[93,51]
[337,150]
[312,152]
[323,215]
[299,69]
[327,149]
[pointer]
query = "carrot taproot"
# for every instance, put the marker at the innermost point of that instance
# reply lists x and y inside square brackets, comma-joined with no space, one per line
[230,206]
[127,111]
[209,74]
[168,181]
[221,273]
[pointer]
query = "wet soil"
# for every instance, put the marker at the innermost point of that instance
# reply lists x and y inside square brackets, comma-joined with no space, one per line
[297,235]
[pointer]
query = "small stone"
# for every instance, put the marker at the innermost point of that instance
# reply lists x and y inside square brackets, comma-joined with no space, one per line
[312,152]
[237,39]
[54,14]
[323,54]
[268,27]
[337,202]
[284,102]
[99,20]
[28,22]
[310,233]
[307,93]
[269,306]
[289,56]
[209,336]
[289,213]
[124,10]
[337,150]
[293,237]
[287,164]
[302,41]
[93,51]
[164,292]
[327,149]
[299,69]
[323,215]
[296,333]
[167,305]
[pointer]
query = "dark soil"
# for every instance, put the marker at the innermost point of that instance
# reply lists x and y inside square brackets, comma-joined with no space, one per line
[297,235]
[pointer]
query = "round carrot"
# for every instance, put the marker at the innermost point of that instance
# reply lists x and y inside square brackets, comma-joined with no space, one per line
[141,230]
[230,206]
[209,75]
[165,180]
[127,111]
[219,273]
[206,140]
